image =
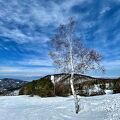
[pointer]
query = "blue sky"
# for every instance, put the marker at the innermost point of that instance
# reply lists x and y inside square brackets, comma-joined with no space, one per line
[26,27]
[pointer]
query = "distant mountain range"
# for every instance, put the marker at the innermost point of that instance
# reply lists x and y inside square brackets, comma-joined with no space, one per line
[45,85]
[9,84]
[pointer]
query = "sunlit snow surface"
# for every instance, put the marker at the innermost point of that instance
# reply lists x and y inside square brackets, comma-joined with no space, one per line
[106,107]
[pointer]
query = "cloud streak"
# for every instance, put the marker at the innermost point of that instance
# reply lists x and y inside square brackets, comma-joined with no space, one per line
[24,72]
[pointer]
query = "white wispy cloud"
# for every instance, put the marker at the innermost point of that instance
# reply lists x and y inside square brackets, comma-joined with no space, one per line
[25,71]
[32,15]
[112,65]
[36,62]
[104,10]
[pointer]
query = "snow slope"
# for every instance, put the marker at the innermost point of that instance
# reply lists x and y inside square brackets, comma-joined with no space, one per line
[106,107]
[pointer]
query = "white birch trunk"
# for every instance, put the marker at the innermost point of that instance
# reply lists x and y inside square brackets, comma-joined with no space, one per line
[53,81]
[74,94]
[72,78]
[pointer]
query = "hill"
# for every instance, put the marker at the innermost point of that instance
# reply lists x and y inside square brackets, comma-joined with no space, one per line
[84,85]
[41,87]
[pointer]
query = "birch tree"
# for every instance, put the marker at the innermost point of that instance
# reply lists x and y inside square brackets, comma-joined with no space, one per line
[70,55]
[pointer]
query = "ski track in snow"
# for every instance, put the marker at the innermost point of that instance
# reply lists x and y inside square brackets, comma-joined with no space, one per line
[106,107]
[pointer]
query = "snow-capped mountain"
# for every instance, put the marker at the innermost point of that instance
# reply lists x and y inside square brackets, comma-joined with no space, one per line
[9,84]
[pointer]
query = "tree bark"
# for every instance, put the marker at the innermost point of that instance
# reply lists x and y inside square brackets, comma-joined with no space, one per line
[74,94]
[72,75]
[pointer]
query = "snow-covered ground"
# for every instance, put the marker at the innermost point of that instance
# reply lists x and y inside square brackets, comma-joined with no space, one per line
[106,107]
